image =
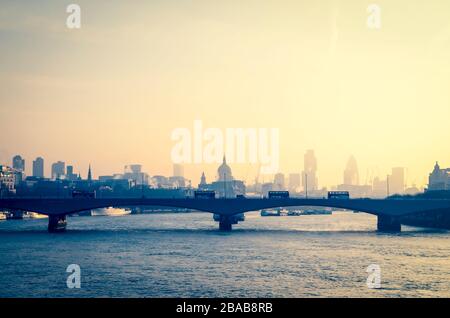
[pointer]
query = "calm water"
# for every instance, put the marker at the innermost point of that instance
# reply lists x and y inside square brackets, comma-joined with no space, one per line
[184,255]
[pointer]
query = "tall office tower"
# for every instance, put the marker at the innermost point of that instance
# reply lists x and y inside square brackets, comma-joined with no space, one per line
[69,174]
[18,163]
[278,181]
[58,169]
[294,182]
[178,170]
[310,171]
[397,181]
[89,176]
[351,174]
[38,167]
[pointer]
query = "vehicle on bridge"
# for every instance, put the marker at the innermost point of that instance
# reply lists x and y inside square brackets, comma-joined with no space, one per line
[204,194]
[338,195]
[278,194]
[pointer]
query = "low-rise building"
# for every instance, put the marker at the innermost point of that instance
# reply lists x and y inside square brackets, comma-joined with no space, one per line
[8,177]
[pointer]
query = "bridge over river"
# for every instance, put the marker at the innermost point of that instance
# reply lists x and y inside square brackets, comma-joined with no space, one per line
[391,213]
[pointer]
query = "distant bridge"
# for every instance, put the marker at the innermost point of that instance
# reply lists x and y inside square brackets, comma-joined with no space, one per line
[391,213]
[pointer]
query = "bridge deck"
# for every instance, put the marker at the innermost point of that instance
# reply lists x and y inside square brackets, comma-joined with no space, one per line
[66,206]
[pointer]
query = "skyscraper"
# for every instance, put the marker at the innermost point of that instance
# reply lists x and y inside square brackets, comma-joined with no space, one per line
[89,176]
[351,173]
[310,171]
[397,181]
[38,167]
[18,163]
[58,169]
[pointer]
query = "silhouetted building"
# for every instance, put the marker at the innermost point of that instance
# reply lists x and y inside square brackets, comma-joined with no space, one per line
[225,186]
[278,182]
[202,179]
[7,180]
[356,191]
[19,169]
[38,167]
[18,163]
[224,172]
[266,188]
[178,170]
[379,187]
[351,173]
[294,182]
[70,175]
[397,181]
[89,176]
[439,179]
[177,180]
[351,181]
[310,171]
[413,190]
[58,169]
[134,173]
[110,185]
[160,182]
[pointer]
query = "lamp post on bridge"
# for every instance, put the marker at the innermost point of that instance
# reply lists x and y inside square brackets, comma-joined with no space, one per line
[225,185]
[387,185]
[306,185]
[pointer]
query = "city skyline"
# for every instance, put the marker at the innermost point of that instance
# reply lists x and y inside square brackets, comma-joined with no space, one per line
[282,180]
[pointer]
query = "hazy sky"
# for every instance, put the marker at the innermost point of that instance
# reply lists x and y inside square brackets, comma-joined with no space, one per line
[112,92]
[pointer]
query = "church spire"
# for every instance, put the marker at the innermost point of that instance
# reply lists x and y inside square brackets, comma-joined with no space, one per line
[436,167]
[224,172]
[203,179]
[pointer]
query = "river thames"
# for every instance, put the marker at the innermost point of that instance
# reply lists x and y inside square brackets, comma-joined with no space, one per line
[184,255]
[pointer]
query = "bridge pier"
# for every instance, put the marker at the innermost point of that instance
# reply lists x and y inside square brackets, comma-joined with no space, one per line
[388,223]
[225,223]
[57,223]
